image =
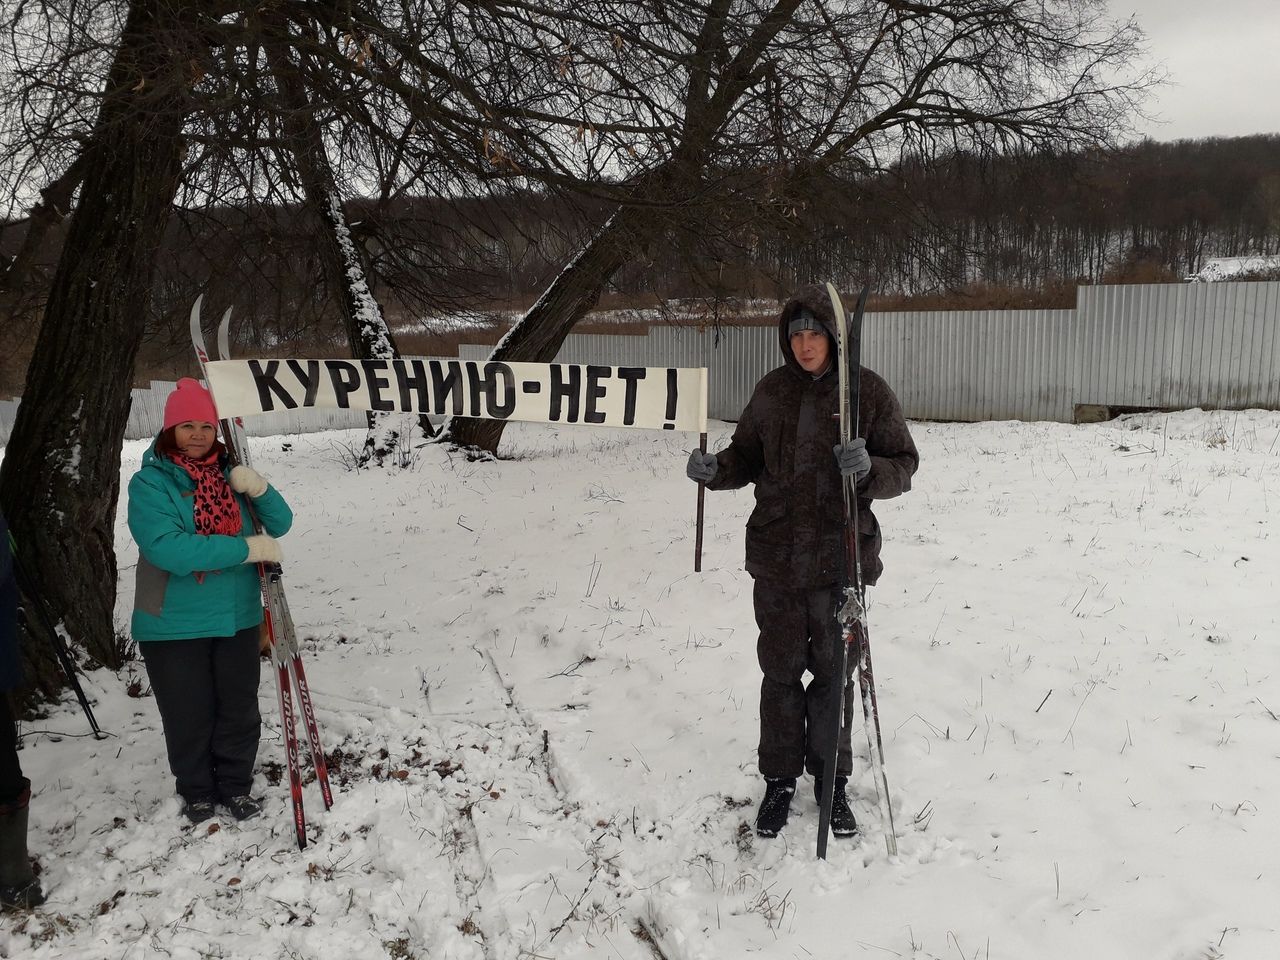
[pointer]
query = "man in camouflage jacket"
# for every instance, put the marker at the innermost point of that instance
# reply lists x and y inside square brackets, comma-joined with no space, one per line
[784,444]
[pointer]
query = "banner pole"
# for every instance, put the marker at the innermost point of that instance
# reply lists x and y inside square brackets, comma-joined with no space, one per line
[702,493]
[702,487]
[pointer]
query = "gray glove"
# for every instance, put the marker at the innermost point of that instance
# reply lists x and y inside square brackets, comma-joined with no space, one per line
[702,467]
[852,458]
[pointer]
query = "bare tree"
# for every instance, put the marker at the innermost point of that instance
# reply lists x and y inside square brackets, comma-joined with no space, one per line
[347,269]
[49,211]
[60,475]
[757,99]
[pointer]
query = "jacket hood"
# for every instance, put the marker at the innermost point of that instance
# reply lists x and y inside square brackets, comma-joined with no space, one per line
[816,300]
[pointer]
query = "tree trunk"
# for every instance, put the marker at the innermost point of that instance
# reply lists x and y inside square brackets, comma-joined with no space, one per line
[61,473]
[540,333]
[712,94]
[49,211]
[345,268]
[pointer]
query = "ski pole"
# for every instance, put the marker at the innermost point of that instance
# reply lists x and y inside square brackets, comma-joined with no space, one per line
[45,618]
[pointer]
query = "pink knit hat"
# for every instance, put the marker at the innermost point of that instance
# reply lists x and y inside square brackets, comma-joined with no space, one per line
[189,402]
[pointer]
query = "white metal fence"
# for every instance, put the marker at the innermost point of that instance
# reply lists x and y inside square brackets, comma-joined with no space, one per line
[1214,345]
[146,415]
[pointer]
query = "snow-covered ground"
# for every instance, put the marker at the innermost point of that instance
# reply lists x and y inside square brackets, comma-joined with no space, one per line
[1235,268]
[543,723]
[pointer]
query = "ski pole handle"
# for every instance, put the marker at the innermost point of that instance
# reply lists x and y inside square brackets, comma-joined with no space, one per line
[702,493]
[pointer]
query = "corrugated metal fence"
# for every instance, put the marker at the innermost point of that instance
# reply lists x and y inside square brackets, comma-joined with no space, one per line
[1214,345]
[1193,345]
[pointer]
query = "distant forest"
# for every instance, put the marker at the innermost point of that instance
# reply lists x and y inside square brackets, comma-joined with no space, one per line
[958,227]
[1152,212]
[951,231]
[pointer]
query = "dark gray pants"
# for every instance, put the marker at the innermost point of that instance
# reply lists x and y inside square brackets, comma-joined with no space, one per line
[207,692]
[798,632]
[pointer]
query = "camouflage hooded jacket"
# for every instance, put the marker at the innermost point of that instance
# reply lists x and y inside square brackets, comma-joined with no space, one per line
[783,444]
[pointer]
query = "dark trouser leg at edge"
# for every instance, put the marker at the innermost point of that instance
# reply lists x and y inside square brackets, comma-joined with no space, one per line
[18,886]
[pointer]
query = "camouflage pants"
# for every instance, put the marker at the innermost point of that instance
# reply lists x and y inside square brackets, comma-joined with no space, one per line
[798,632]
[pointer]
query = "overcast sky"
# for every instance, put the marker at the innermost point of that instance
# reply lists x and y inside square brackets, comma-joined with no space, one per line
[1223,57]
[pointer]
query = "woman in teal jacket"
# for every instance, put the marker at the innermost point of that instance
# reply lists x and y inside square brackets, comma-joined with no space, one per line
[198,603]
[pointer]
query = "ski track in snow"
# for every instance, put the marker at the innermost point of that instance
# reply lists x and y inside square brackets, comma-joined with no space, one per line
[541,724]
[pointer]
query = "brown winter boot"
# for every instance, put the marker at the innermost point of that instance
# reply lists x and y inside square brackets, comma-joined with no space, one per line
[19,889]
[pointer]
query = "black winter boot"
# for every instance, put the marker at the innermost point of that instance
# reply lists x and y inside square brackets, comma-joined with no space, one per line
[842,822]
[198,811]
[775,807]
[19,889]
[244,807]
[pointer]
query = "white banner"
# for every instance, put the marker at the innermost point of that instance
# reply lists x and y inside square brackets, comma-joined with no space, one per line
[652,398]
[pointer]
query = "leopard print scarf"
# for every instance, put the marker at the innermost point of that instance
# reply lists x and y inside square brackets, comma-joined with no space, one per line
[216,508]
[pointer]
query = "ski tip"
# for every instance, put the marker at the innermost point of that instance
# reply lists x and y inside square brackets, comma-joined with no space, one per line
[197,337]
[224,336]
[862,297]
[837,305]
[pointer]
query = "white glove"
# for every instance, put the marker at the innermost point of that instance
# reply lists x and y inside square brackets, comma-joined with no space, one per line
[263,549]
[247,480]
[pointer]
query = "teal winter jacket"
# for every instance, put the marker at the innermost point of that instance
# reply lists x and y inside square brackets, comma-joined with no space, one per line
[190,585]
